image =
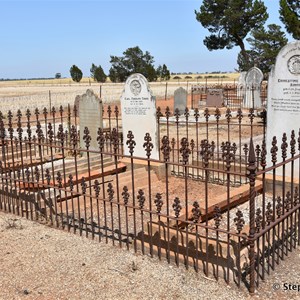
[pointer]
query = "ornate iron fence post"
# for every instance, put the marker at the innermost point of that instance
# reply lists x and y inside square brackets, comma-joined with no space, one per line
[148,146]
[115,143]
[166,150]
[252,175]
[2,137]
[158,116]
[185,153]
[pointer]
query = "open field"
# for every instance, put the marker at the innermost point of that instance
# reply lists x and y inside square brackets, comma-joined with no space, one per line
[30,94]
[87,80]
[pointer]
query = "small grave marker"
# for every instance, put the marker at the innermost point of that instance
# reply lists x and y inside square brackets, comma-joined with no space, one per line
[214,98]
[180,100]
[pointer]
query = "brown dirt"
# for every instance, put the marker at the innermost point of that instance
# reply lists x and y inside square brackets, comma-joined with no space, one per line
[39,262]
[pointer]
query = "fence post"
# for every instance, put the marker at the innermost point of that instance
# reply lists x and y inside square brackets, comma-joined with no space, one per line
[2,136]
[50,100]
[192,97]
[251,175]
[166,91]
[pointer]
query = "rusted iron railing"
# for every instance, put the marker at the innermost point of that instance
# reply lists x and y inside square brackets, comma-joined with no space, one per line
[238,232]
[234,96]
[218,127]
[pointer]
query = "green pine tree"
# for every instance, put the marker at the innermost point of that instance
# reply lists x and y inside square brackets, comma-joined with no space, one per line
[230,21]
[290,16]
[76,73]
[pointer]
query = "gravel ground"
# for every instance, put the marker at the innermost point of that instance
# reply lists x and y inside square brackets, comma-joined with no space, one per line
[39,262]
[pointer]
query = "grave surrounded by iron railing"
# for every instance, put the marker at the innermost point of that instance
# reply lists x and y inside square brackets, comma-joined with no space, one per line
[210,202]
[233,95]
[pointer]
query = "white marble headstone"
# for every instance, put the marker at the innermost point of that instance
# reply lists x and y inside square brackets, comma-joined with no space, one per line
[90,115]
[180,99]
[253,81]
[139,115]
[283,107]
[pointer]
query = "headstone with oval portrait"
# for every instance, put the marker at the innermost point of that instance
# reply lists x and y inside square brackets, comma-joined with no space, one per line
[283,106]
[139,116]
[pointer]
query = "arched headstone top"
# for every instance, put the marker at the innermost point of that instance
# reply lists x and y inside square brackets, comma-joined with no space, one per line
[288,60]
[136,85]
[254,77]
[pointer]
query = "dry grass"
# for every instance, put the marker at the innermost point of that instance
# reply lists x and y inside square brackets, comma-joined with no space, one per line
[228,76]
[88,80]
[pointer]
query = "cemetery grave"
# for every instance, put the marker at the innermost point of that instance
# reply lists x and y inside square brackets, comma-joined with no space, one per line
[215,188]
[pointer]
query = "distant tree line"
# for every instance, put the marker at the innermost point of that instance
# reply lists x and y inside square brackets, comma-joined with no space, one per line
[212,72]
[19,79]
[134,60]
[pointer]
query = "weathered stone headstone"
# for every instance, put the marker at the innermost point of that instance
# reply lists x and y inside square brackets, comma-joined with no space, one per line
[214,98]
[253,81]
[90,115]
[76,104]
[241,85]
[180,99]
[139,115]
[283,107]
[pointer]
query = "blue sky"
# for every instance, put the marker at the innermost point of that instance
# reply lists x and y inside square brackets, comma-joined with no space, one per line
[39,38]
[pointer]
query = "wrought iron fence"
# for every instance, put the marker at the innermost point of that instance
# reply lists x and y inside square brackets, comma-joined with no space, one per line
[234,96]
[221,128]
[239,233]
